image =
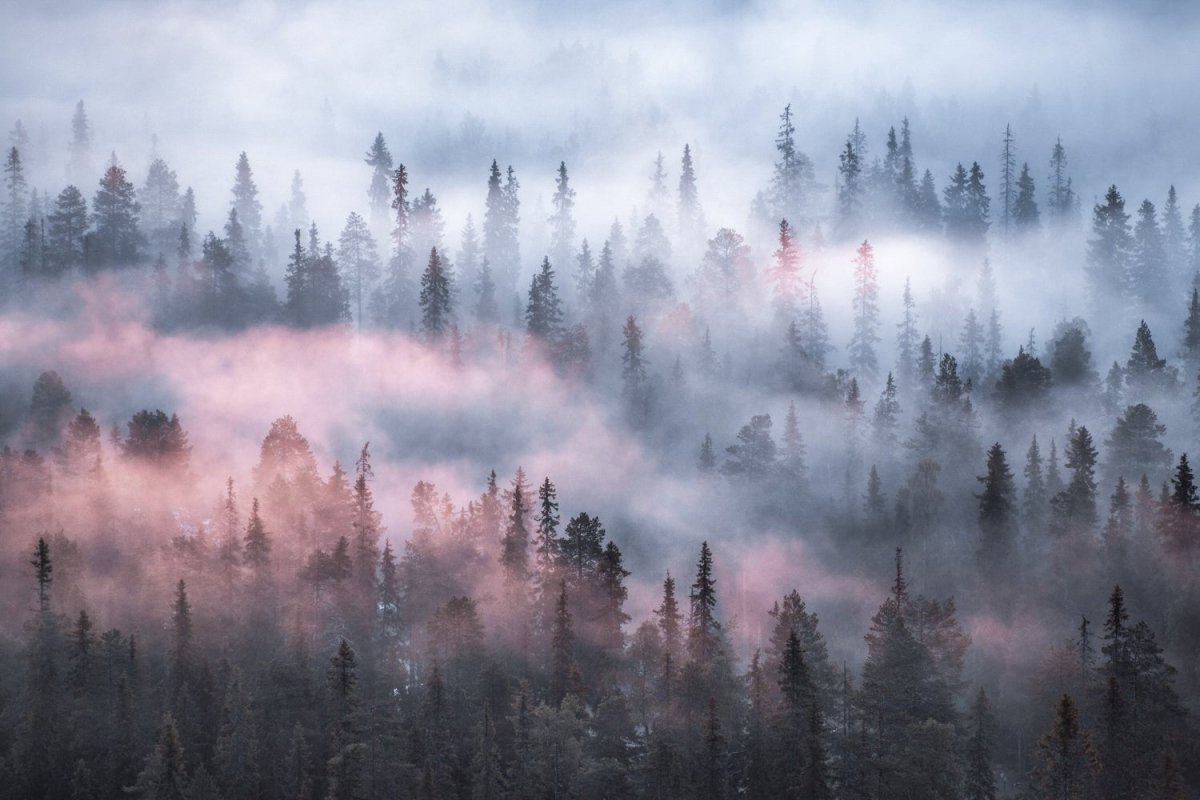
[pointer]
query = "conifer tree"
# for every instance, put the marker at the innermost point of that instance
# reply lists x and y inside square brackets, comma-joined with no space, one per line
[1025,216]
[562,648]
[246,203]
[379,159]
[689,215]
[1109,248]
[1061,200]
[1008,182]
[436,299]
[1147,266]
[850,191]
[997,512]
[562,221]
[704,632]
[67,225]
[117,238]
[543,312]
[785,276]
[866,313]
[358,258]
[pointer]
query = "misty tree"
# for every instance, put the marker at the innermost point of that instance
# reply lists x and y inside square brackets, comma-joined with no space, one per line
[500,228]
[426,227]
[1174,238]
[793,176]
[49,408]
[1110,248]
[785,276]
[815,332]
[754,456]
[14,208]
[1008,181]
[997,510]
[394,298]
[1025,216]
[850,191]
[1144,370]
[315,295]
[116,240]
[562,221]
[980,779]
[246,202]
[866,313]
[724,268]
[1134,447]
[543,311]
[358,259]
[1023,383]
[907,343]
[886,417]
[68,223]
[1148,278]
[1061,200]
[970,344]
[379,159]
[690,217]
[635,380]
[161,206]
[1075,504]
[436,299]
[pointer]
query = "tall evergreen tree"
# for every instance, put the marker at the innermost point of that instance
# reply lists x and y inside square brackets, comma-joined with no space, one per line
[866,313]
[437,312]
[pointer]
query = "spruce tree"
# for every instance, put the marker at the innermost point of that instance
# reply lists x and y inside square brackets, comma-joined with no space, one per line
[704,632]
[436,299]
[866,313]
[379,159]
[1110,247]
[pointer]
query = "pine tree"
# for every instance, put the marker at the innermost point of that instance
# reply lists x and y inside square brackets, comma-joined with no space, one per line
[67,225]
[562,221]
[1062,202]
[906,338]
[1148,277]
[164,776]
[997,512]
[80,164]
[635,387]
[436,299]
[785,276]
[866,313]
[562,648]
[379,159]
[1025,216]
[117,238]
[793,462]
[257,543]
[543,312]
[1008,182]
[1034,500]
[1174,238]
[1191,332]
[793,174]
[707,461]
[850,191]
[704,632]
[13,231]
[887,414]
[246,203]
[1109,248]
[358,258]
[691,219]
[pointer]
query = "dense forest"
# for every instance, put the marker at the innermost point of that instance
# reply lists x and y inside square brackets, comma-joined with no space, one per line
[877,486]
